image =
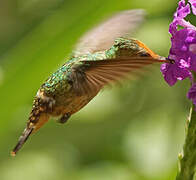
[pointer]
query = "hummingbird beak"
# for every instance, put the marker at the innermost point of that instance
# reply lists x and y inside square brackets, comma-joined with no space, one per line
[171,61]
[165,60]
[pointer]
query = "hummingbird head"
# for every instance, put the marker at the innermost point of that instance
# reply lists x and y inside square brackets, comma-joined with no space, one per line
[132,48]
[147,52]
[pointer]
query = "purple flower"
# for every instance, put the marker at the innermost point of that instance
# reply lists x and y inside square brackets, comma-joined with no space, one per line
[172,73]
[193,4]
[183,48]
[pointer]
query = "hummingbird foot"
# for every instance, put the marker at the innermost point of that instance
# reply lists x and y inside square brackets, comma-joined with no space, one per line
[64,118]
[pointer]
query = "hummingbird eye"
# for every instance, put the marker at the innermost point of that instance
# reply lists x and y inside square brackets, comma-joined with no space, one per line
[144,54]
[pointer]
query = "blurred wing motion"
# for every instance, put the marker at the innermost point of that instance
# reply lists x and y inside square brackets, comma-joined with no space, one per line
[91,76]
[102,37]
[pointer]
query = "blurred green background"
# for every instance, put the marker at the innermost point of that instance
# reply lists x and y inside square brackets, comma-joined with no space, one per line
[133,132]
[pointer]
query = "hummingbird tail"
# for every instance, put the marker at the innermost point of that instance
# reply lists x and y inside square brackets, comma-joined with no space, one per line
[32,127]
[22,140]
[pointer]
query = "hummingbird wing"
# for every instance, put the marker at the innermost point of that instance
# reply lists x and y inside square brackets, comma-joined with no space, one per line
[102,37]
[91,76]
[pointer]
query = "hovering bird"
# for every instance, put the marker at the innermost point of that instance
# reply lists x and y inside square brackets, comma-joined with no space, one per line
[103,56]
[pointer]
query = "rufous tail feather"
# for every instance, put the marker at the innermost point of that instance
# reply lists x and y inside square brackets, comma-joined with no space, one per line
[31,128]
[27,132]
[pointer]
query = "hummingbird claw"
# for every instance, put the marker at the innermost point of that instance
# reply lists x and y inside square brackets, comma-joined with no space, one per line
[64,118]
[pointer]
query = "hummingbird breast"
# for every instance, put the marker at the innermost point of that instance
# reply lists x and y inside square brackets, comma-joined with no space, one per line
[71,103]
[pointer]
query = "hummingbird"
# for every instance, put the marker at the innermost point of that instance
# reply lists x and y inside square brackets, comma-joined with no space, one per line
[104,55]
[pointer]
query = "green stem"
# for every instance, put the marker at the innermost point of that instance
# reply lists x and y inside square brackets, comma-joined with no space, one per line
[187,159]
